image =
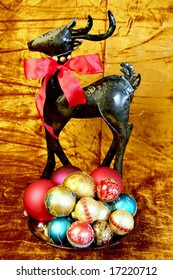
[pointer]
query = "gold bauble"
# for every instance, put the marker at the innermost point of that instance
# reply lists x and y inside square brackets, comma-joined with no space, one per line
[60,201]
[103,233]
[80,183]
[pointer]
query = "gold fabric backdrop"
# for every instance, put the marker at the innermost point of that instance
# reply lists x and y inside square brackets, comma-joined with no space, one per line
[143,37]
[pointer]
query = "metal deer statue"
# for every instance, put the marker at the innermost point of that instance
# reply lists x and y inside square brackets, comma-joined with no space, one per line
[109,97]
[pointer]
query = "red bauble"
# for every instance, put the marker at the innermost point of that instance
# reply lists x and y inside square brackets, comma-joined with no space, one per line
[61,173]
[34,199]
[80,234]
[108,190]
[103,172]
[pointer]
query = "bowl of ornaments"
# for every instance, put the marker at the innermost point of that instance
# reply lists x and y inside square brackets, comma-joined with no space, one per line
[76,210]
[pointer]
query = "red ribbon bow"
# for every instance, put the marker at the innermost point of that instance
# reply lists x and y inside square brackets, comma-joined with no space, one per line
[46,67]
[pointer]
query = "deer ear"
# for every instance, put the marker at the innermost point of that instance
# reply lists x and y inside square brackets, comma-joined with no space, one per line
[76,44]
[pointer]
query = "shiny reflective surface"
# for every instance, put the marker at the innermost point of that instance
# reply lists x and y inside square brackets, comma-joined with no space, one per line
[33,226]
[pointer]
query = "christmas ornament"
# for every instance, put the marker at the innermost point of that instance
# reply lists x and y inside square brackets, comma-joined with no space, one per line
[108,189]
[60,173]
[41,226]
[103,233]
[86,209]
[57,229]
[80,183]
[121,222]
[34,197]
[105,211]
[103,172]
[37,228]
[60,201]
[80,234]
[125,202]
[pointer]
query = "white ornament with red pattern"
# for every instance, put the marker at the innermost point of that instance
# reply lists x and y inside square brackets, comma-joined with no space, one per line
[121,222]
[87,209]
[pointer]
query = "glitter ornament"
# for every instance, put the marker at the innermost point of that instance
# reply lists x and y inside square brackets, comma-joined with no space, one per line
[108,190]
[103,233]
[105,211]
[56,230]
[80,234]
[121,222]
[103,172]
[125,202]
[62,172]
[86,209]
[81,184]
[34,199]
[60,201]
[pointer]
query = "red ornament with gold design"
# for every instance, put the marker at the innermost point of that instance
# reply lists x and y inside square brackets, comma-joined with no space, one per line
[80,234]
[108,190]
[103,172]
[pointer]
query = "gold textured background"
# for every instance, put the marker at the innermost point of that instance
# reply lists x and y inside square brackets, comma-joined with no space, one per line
[144,37]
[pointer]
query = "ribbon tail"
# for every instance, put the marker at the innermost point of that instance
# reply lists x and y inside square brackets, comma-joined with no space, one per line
[50,130]
[71,88]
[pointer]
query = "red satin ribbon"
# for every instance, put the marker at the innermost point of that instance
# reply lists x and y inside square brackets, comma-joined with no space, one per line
[46,67]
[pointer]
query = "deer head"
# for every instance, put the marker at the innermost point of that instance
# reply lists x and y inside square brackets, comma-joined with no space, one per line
[64,40]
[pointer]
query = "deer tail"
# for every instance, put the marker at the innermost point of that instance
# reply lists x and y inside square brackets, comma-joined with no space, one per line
[130,74]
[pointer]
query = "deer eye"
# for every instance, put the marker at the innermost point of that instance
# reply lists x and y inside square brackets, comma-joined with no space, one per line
[67,40]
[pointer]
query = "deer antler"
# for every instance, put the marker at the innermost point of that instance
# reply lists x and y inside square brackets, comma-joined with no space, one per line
[80,31]
[99,37]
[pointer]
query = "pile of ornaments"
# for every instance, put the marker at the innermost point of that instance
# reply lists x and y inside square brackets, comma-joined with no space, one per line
[81,209]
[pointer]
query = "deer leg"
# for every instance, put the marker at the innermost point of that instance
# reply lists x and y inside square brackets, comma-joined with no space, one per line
[60,154]
[124,135]
[111,152]
[50,165]
[129,130]
[53,147]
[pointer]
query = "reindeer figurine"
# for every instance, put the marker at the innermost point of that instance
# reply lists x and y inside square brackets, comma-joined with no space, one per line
[109,97]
